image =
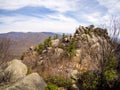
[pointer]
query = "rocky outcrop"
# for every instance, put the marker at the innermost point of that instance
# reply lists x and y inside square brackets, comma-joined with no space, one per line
[16,70]
[55,42]
[30,82]
[58,51]
[13,76]
[86,43]
[13,71]
[71,55]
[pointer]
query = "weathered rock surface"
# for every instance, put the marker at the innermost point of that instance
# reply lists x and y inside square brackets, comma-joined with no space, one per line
[55,42]
[13,76]
[13,71]
[30,82]
[87,44]
[74,87]
[16,69]
[72,54]
[58,51]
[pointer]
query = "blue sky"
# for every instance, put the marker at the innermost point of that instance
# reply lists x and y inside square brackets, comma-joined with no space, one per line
[55,15]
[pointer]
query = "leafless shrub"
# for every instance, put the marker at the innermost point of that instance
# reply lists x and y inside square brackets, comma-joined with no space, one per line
[5,44]
[108,48]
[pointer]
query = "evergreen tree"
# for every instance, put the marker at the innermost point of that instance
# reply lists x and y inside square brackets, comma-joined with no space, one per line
[56,36]
[47,42]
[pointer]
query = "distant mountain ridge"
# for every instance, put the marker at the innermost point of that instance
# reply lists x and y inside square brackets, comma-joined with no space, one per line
[20,35]
[21,41]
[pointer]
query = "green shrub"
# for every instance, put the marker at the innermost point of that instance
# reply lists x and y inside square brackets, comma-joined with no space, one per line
[29,70]
[51,86]
[63,36]
[70,49]
[112,63]
[101,80]
[40,48]
[47,42]
[22,56]
[89,80]
[110,75]
[56,36]
[60,81]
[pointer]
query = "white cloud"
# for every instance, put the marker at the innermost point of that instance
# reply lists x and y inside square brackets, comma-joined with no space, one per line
[113,6]
[57,22]
[96,18]
[61,5]
[93,18]
[32,24]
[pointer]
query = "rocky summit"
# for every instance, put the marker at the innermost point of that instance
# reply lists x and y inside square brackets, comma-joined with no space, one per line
[85,60]
[70,56]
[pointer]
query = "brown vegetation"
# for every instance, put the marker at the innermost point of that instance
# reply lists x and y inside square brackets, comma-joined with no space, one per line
[5,45]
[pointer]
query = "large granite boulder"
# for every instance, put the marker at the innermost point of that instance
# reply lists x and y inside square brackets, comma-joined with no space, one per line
[13,76]
[16,70]
[12,71]
[31,82]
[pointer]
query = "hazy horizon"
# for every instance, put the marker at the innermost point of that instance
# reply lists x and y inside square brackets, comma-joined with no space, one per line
[35,32]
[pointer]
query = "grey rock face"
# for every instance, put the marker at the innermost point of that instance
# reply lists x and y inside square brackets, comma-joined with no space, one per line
[16,69]
[55,42]
[13,71]
[30,82]
[58,51]
[14,77]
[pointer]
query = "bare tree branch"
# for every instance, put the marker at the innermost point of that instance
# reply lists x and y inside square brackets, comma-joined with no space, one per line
[5,44]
